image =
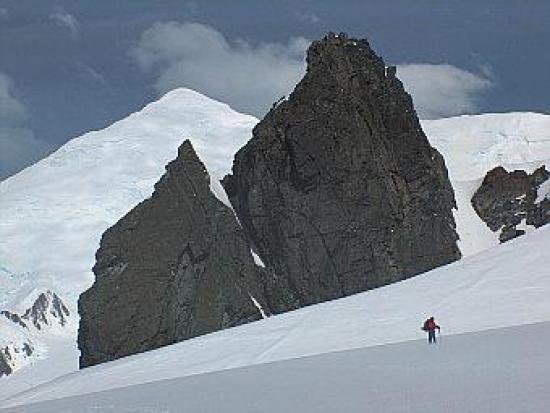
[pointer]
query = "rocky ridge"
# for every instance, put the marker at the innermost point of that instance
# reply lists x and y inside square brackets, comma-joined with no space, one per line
[21,333]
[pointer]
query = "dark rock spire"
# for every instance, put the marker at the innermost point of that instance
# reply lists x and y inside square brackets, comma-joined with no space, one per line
[339,190]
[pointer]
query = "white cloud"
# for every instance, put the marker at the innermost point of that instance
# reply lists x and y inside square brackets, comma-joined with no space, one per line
[4,12]
[308,16]
[18,146]
[248,77]
[66,20]
[443,90]
[251,77]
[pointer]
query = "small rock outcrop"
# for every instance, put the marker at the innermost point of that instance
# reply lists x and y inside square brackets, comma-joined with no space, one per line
[14,317]
[12,355]
[507,199]
[175,267]
[339,190]
[5,368]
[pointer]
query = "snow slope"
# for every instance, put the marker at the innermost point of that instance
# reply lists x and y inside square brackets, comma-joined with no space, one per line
[502,370]
[504,286]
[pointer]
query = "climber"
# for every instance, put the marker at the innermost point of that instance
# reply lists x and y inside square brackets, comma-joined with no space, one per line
[430,326]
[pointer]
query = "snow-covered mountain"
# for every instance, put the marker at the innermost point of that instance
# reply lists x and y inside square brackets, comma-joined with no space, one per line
[53,213]
[29,325]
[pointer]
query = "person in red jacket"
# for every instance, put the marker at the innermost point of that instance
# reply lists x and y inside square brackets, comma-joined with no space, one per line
[430,326]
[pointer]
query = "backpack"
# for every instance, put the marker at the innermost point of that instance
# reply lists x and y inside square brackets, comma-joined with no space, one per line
[425,326]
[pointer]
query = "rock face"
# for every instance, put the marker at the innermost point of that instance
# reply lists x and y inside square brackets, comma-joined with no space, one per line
[175,267]
[505,199]
[339,190]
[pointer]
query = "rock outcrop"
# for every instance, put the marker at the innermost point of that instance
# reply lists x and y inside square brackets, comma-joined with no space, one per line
[507,199]
[21,335]
[46,310]
[14,317]
[339,191]
[176,266]
[5,368]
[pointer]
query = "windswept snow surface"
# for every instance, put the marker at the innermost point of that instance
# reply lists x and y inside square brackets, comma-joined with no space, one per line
[502,370]
[504,286]
[472,146]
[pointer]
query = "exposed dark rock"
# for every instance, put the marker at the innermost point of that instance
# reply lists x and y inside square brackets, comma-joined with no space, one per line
[505,199]
[27,349]
[175,267]
[339,190]
[14,317]
[46,308]
[5,368]
[8,357]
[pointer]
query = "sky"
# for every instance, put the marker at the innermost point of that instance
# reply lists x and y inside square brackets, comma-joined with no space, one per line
[71,66]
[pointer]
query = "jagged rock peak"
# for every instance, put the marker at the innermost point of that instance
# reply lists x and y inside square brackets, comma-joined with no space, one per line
[47,309]
[336,51]
[176,266]
[339,189]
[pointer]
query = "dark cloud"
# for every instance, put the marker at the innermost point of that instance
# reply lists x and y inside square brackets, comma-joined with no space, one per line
[69,58]
[18,146]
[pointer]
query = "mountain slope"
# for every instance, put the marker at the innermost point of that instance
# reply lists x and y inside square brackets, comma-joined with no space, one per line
[54,212]
[505,286]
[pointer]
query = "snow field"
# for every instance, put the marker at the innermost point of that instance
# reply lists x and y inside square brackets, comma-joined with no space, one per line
[503,286]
